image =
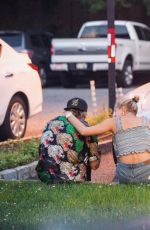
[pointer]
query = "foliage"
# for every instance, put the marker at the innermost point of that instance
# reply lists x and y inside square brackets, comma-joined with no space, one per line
[47,4]
[34,206]
[97,5]
[147,4]
[94,5]
[19,153]
[99,117]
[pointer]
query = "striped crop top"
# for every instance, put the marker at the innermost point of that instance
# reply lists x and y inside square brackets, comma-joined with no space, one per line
[131,140]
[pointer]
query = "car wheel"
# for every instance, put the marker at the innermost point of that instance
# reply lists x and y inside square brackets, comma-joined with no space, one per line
[67,80]
[43,75]
[15,122]
[125,78]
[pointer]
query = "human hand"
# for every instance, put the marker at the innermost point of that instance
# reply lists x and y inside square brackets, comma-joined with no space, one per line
[67,114]
[72,157]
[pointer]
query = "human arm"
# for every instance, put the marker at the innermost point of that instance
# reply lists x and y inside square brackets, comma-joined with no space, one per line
[94,163]
[93,152]
[105,126]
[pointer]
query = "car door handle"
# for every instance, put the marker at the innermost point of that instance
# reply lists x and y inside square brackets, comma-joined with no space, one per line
[9,75]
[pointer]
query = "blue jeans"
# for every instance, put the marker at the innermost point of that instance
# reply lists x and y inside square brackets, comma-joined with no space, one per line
[133,173]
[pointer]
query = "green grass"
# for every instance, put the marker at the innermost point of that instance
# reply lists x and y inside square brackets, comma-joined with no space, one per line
[33,205]
[20,153]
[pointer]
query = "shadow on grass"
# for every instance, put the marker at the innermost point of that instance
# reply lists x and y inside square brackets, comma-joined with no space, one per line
[72,223]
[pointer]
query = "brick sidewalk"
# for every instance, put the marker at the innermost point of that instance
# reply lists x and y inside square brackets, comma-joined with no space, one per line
[106,170]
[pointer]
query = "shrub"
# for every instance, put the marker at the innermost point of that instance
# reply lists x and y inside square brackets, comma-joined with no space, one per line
[99,117]
[18,153]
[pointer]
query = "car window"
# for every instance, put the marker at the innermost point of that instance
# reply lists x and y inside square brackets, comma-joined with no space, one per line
[46,40]
[139,32]
[40,40]
[13,40]
[94,32]
[142,33]
[101,31]
[122,32]
[36,40]
[146,33]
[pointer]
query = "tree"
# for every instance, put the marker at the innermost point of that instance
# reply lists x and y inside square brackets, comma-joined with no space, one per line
[97,5]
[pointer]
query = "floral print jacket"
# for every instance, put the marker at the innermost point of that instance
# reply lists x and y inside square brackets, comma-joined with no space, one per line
[64,153]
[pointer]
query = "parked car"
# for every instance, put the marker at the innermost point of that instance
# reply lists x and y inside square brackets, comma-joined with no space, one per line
[20,92]
[37,45]
[77,59]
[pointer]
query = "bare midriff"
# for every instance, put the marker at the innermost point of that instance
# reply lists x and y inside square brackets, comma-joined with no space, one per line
[135,158]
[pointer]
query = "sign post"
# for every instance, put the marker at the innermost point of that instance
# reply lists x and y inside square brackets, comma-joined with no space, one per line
[93,96]
[111,53]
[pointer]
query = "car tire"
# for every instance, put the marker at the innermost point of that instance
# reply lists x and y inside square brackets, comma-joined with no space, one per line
[67,80]
[14,125]
[126,78]
[43,72]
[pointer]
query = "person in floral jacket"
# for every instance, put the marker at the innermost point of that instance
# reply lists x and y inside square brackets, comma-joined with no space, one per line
[65,155]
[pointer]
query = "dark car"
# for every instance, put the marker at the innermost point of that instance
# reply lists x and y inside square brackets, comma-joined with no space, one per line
[37,45]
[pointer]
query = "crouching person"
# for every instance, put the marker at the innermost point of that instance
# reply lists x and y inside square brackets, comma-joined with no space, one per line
[65,155]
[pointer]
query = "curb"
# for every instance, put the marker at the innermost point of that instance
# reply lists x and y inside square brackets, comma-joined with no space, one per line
[20,173]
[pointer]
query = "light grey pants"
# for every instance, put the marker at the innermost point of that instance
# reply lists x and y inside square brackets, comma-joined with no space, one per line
[133,173]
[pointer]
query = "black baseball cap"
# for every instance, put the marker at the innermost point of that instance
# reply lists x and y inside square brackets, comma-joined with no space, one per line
[77,103]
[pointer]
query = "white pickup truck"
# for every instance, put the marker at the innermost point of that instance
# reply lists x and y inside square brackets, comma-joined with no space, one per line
[77,58]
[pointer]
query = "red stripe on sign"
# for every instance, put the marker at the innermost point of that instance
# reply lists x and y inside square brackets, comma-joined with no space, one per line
[113,39]
[113,60]
[109,51]
[111,30]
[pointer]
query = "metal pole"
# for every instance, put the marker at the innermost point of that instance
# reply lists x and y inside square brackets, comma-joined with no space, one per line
[111,52]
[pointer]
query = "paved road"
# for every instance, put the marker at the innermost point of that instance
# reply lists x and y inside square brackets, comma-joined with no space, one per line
[55,100]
